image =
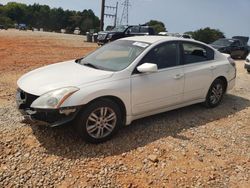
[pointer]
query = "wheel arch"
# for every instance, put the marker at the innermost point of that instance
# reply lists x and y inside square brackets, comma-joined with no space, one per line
[118,101]
[223,78]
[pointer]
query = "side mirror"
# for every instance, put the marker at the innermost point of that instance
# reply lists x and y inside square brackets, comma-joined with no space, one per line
[147,68]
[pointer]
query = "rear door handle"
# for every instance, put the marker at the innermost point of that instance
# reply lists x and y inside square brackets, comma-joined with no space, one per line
[212,67]
[178,76]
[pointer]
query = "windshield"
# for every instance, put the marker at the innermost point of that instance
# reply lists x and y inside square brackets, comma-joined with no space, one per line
[223,42]
[115,56]
[120,28]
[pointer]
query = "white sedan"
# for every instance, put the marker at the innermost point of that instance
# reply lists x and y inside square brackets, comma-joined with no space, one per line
[125,80]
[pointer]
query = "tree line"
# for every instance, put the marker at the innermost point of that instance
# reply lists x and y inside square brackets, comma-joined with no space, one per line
[50,19]
[55,19]
[206,35]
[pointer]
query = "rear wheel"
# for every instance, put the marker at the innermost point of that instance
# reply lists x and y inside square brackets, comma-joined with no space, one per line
[215,93]
[99,121]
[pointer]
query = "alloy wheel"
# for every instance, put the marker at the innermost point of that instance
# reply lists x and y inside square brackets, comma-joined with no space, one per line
[101,122]
[216,93]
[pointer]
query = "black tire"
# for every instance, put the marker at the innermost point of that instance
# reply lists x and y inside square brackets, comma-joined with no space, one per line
[85,117]
[215,93]
[248,70]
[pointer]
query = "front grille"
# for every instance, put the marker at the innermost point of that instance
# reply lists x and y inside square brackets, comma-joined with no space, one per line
[26,99]
[101,36]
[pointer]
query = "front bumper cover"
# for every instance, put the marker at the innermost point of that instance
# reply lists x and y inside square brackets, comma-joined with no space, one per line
[49,117]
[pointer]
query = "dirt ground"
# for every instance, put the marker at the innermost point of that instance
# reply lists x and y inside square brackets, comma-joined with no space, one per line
[188,147]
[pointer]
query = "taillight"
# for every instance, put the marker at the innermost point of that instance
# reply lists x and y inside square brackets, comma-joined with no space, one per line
[231,61]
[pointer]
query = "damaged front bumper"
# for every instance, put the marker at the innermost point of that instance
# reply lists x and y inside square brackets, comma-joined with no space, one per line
[48,117]
[51,118]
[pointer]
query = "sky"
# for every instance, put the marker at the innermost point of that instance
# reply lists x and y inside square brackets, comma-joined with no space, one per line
[230,16]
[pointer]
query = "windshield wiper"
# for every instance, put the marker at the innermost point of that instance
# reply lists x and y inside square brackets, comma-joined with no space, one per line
[78,60]
[91,65]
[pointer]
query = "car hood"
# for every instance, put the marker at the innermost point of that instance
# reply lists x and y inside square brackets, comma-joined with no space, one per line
[59,75]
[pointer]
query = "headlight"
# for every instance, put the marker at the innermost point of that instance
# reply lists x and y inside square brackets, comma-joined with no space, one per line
[54,99]
[110,36]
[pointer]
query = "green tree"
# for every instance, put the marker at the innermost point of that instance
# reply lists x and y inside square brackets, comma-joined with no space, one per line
[157,25]
[206,35]
[42,16]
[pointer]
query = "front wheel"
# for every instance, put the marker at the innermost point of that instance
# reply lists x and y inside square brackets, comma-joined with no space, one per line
[99,121]
[215,93]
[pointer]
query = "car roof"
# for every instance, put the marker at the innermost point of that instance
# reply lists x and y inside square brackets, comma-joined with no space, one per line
[154,39]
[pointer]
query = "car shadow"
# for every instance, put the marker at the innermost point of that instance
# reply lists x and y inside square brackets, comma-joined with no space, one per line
[63,141]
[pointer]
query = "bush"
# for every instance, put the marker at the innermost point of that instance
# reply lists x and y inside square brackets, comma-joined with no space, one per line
[206,35]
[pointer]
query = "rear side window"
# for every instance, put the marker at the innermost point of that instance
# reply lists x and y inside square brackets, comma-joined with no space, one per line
[144,30]
[236,43]
[195,53]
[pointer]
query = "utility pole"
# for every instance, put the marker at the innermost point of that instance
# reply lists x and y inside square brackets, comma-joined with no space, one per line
[102,15]
[125,12]
[116,12]
[110,15]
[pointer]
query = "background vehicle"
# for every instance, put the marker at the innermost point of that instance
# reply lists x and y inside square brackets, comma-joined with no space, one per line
[186,36]
[123,81]
[235,47]
[22,27]
[77,31]
[247,63]
[3,27]
[123,31]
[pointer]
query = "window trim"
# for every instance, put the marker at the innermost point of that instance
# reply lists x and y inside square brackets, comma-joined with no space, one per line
[179,58]
[197,44]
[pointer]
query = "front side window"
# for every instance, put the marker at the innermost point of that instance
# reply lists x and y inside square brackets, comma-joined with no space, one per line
[164,55]
[195,53]
[115,56]
[120,28]
[134,29]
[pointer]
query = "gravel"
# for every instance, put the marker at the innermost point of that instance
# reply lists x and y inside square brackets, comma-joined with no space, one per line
[188,147]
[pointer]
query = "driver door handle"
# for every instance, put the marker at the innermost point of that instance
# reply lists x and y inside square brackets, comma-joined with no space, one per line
[212,67]
[178,76]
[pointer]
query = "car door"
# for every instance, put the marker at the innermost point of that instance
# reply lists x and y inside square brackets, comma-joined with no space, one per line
[153,91]
[198,70]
